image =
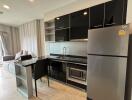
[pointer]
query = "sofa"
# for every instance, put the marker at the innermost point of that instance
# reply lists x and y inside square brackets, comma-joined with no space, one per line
[8,63]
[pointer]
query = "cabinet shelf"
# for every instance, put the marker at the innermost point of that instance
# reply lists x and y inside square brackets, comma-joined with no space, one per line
[50,37]
[50,34]
[24,80]
[63,28]
[22,90]
[50,30]
[22,77]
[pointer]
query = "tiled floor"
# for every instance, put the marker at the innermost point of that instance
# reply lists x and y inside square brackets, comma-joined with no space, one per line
[56,91]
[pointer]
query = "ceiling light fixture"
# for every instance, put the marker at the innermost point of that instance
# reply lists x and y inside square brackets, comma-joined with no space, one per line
[6,7]
[85,13]
[31,0]
[57,18]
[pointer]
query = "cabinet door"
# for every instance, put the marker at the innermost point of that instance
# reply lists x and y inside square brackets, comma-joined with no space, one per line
[97,16]
[115,13]
[78,33]
[62,35]
[80,18]
[62,22]
[58,71]
[79,22]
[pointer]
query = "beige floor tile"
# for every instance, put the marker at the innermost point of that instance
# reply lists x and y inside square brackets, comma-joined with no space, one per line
[56,91]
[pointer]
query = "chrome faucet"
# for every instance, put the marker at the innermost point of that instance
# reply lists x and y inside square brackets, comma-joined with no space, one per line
[64,51]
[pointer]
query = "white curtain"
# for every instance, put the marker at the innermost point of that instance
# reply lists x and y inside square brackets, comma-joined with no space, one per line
[1,51]
[15,40]
[30,37]
[10,34]
[4,43]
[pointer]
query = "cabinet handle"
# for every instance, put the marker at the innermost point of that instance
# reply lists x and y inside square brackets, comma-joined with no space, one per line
[97,26]
[111,24]
[61,28]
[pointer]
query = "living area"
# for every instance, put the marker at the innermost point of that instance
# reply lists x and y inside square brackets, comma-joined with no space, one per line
[26,40]
[65,50]
[8,84]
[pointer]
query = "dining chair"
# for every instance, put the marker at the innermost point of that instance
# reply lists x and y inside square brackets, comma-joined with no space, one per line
[40,69]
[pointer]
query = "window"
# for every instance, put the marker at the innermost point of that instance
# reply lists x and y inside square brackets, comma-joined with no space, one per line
[0,50]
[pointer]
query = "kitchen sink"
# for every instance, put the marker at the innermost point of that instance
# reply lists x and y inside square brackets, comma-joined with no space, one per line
[60,57]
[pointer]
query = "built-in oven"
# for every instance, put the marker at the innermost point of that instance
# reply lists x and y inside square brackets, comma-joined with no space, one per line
[77,73]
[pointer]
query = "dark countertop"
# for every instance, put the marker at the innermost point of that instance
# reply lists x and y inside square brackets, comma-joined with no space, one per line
[28,62]
[69,59]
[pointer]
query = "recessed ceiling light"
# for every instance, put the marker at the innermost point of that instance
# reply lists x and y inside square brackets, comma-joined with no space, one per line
[57,18]
[6,7]
[85,13]
[31,0]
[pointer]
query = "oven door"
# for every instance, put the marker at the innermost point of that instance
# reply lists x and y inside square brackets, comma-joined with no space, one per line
[76,75]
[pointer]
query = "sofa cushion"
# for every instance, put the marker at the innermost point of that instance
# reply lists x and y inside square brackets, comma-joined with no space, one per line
[9,66]
[25,57]
[7,58]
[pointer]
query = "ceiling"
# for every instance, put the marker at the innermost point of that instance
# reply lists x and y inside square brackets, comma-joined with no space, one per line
[23,11]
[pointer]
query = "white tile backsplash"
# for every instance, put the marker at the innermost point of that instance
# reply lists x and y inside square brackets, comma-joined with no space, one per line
[72,48]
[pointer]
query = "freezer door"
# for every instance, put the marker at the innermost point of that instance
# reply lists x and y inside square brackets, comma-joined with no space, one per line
[106,77]
[108,41]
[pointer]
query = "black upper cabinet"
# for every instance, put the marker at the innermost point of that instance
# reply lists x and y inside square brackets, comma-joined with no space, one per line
[62,22]
[76,25]
[79,33]
[62,35]
[80,18]
[109,14]
[115,12]
[97,16]
[79,22]
[62,28]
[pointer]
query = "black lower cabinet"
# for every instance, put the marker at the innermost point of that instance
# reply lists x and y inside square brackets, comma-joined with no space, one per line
[89,98]
[81,86]
[57,71]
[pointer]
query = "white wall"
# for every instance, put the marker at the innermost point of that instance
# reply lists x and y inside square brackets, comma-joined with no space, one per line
[78,5]
[129,12]
[72,48]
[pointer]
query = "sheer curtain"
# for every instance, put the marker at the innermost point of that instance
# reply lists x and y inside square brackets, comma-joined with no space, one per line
[1,51]
[3,44]
[30,37]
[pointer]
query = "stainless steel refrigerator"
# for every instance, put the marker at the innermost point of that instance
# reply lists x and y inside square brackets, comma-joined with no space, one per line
[109,66]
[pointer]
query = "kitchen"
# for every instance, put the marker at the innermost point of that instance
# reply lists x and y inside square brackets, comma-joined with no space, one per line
[72,29]
[99,64]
